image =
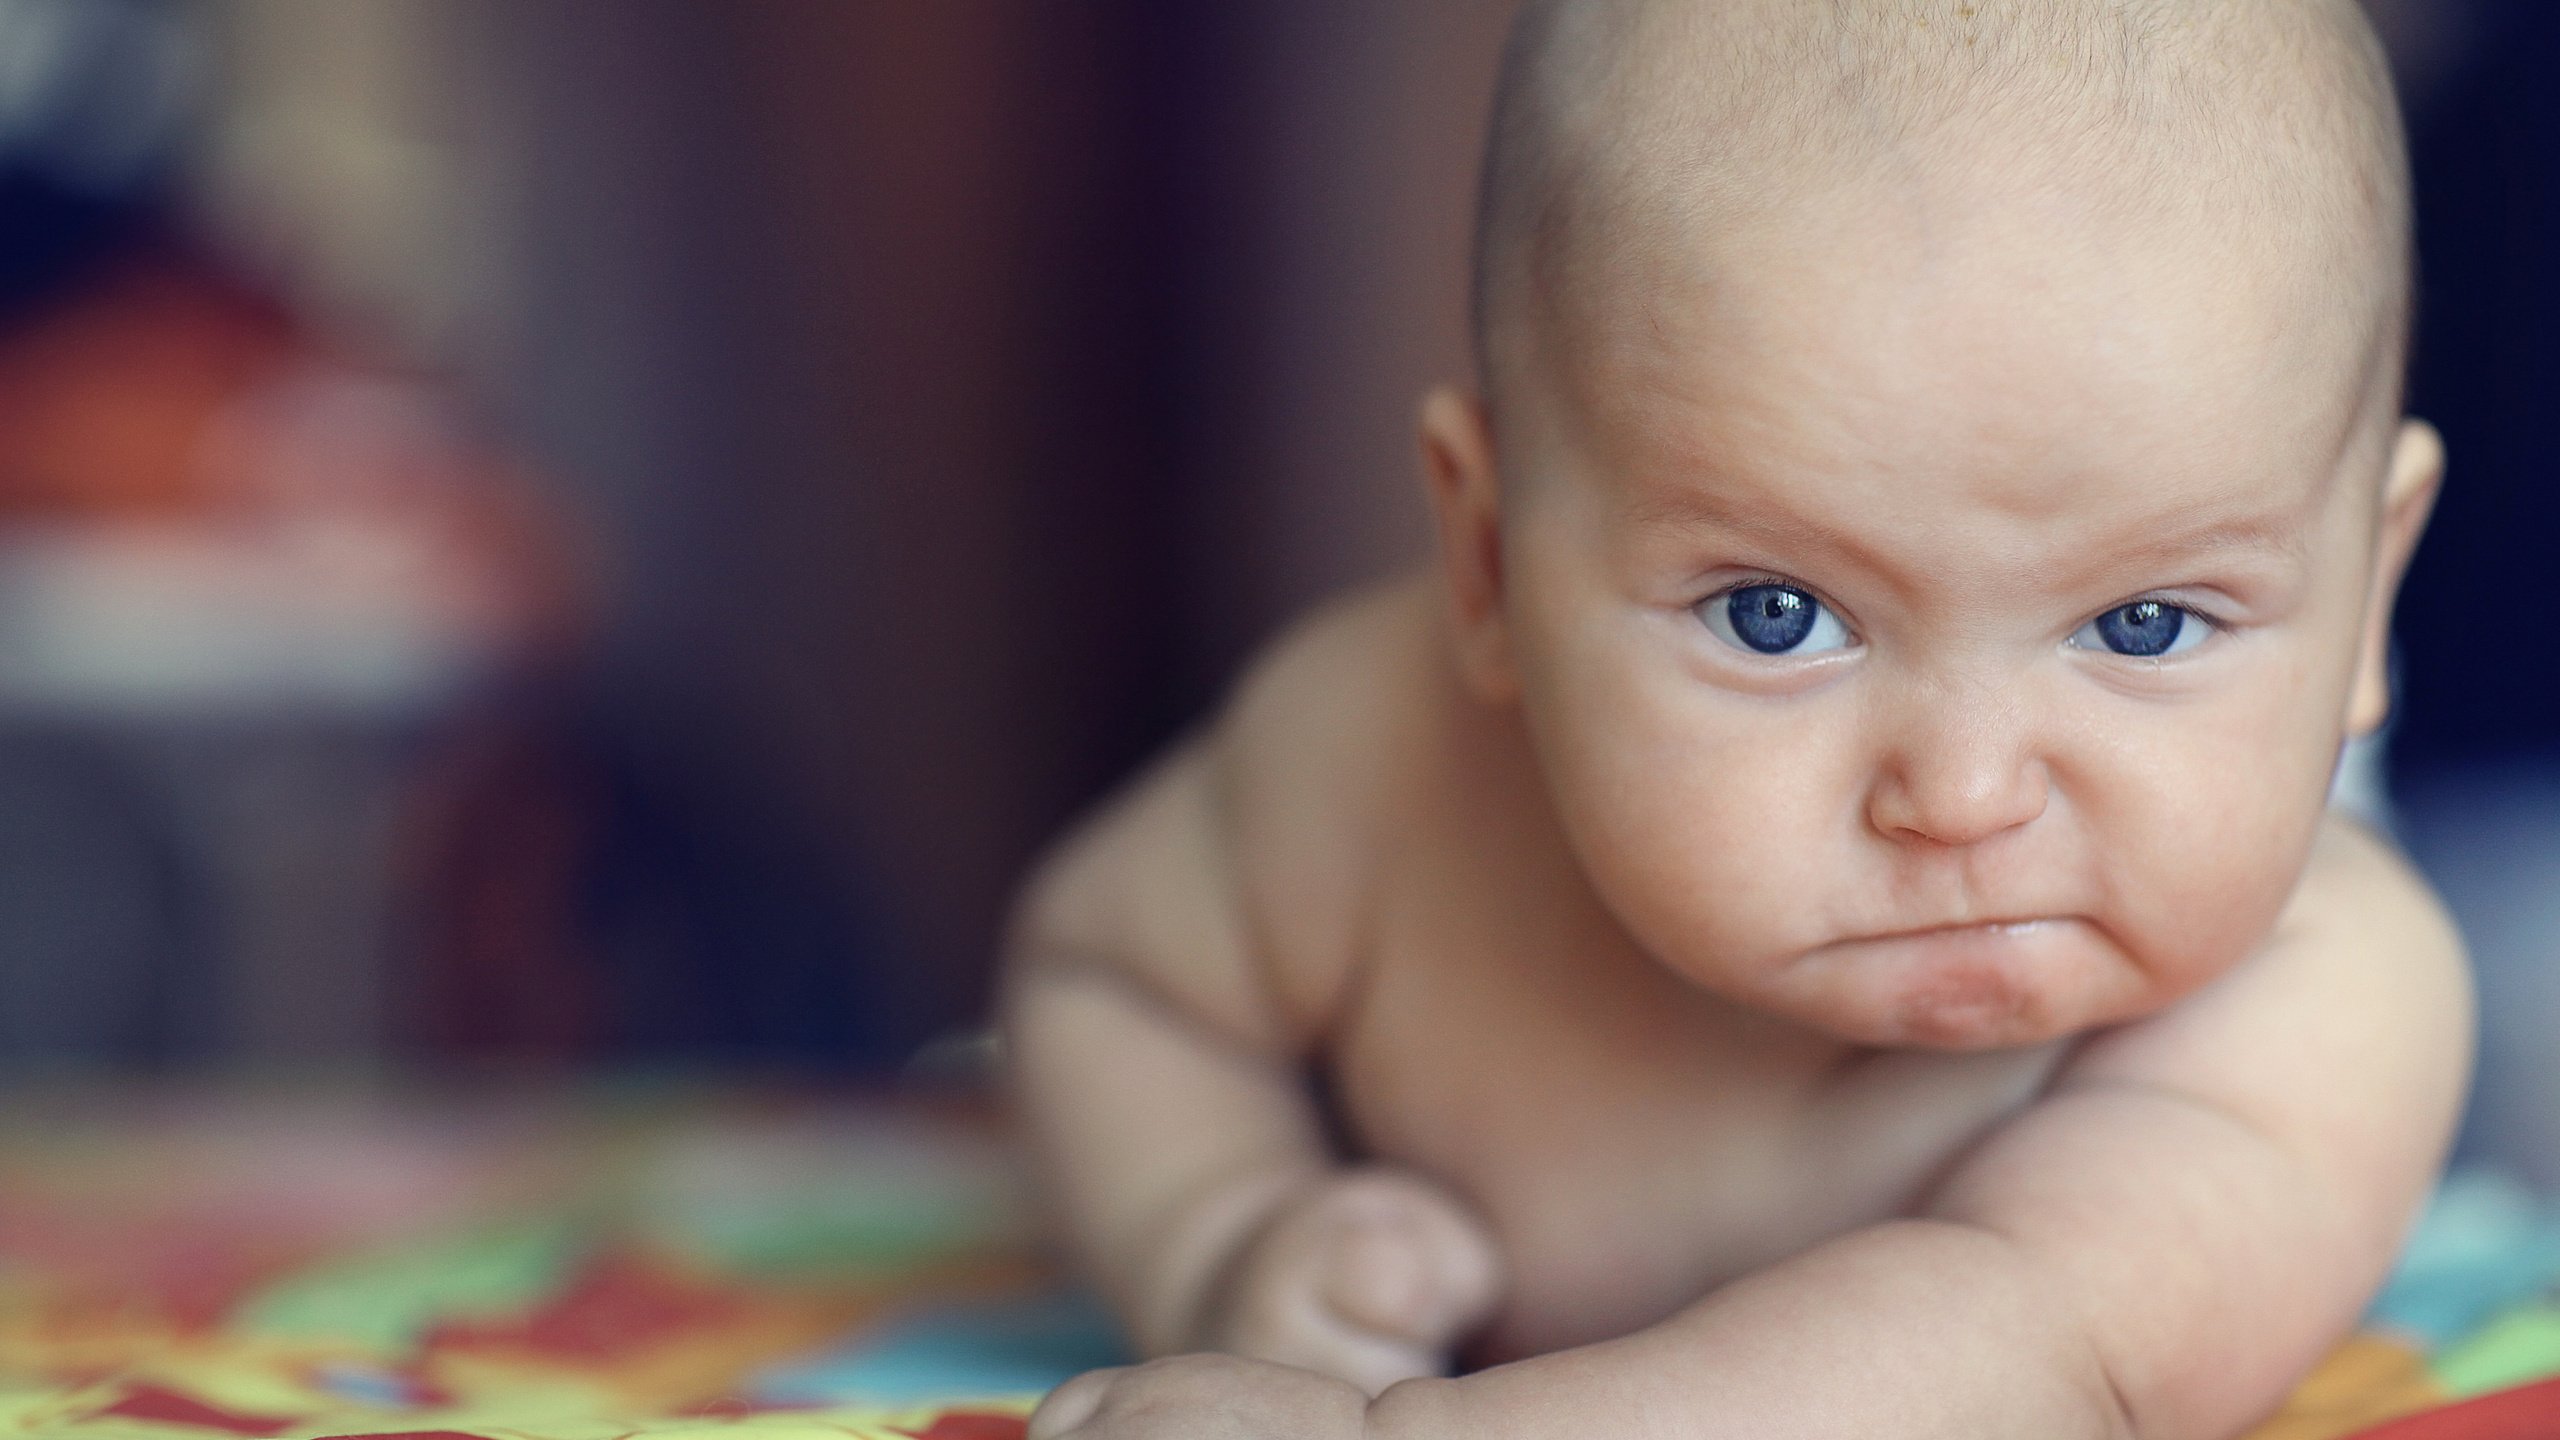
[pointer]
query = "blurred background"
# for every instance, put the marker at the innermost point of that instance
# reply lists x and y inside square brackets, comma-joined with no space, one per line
[611,529]
[607,531]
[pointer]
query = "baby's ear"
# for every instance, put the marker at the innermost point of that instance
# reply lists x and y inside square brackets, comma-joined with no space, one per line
[1466,503]
[2409,495]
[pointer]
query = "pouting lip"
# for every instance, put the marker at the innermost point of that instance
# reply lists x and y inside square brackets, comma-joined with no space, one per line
[2013,929]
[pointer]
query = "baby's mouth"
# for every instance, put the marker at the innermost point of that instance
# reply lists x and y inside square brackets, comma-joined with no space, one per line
[2013,929]
[2020,927]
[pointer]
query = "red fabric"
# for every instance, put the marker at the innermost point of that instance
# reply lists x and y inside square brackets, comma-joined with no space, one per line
[168,1407]
[962,1426]
[2530,1413]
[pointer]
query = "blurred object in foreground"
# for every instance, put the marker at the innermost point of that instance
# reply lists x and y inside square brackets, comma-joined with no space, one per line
[348,1263]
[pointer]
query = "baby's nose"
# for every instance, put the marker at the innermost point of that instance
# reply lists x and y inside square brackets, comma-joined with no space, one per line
[1963,771]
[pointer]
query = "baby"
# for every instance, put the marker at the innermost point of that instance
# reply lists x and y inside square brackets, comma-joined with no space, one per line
[1819,916]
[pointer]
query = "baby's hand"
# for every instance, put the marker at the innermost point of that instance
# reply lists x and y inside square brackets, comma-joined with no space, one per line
[1195,1395]
[1371,1277]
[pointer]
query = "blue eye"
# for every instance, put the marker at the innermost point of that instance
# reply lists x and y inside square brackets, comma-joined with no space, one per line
[1774,620]
[2144,630]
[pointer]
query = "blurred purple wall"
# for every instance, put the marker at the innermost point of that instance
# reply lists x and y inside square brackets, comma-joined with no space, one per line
[966,387]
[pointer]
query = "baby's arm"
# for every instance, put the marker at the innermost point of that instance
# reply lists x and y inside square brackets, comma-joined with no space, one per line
[1155,1043]
[2157,1249]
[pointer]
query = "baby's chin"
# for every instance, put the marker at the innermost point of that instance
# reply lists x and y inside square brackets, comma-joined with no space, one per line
[1986,987]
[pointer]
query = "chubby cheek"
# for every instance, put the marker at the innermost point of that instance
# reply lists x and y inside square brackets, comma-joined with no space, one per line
[1707,822]
[2200,827]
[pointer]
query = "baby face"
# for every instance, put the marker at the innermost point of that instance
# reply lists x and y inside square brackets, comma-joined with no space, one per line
[1948,644]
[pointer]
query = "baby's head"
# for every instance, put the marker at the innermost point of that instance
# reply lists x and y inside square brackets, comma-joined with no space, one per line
[1939,485]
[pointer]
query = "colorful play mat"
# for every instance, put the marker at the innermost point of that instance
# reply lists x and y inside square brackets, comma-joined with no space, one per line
[661,1261]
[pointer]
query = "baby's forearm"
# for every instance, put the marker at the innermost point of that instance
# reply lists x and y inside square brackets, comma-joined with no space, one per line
[1917,1328]
[1163,1151]
[1168,1292]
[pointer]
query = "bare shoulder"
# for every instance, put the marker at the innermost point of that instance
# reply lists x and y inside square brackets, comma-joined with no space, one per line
[1228,877]
[2357,879]
[1322,749]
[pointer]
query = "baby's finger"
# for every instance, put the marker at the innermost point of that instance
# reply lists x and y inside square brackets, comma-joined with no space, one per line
[1068,1407]
[1414,1268]
[1468,1268]
[1376,1362]
[1380,1279]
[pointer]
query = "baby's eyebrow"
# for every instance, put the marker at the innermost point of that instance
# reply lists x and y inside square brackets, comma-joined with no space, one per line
[1684,509]
[2282,536]
[2276,536]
